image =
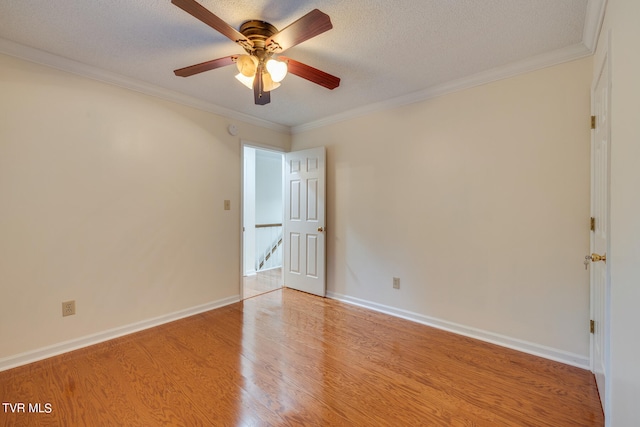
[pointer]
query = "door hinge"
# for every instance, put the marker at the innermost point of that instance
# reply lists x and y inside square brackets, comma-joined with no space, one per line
[592,224]
[593,122]
[592,326]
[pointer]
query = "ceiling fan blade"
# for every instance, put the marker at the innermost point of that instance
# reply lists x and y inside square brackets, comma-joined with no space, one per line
[259,95]
[310,25]
[312,74]
[198,11]
[206,66]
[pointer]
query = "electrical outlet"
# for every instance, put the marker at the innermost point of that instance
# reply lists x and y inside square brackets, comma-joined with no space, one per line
[396,283]
[68,308]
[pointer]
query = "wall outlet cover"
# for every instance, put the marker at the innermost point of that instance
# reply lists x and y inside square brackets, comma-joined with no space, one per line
[68,308]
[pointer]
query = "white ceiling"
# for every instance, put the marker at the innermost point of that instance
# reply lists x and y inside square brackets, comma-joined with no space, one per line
[385,52]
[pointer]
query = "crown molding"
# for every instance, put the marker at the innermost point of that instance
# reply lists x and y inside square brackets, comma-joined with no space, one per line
[593,23]
[591,31]
[545,60]
[592,27]
[41,57]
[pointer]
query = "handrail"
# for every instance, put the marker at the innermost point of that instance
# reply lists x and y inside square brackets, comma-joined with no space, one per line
[268,225]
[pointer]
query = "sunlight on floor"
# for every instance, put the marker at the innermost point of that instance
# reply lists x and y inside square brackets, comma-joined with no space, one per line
[263,281]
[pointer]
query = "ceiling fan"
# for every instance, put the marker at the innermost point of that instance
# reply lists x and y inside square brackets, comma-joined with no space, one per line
[259,69]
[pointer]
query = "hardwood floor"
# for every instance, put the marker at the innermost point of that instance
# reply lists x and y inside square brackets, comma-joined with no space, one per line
[286,358]
[261,282]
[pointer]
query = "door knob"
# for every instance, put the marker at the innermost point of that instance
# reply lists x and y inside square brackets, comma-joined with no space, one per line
[321,229]
[594,257]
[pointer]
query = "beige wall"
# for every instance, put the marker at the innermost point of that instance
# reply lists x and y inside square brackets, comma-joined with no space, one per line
[113,199]
[478,200]
[621,26]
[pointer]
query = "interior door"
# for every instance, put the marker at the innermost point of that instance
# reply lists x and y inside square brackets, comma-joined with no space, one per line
[599,278]
[304,221]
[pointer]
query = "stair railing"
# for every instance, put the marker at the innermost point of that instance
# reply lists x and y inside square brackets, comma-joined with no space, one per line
[268,246]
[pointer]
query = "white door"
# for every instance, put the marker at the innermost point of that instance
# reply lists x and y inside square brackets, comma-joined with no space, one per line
[599,236]
[304,221]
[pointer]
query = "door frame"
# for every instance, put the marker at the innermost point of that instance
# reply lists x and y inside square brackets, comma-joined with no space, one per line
[258,146]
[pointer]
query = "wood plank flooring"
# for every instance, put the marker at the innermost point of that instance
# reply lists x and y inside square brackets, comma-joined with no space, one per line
[261,282]
[286,358]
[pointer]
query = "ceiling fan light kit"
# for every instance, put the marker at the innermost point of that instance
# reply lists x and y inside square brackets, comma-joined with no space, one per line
[273,72]
[277,69]
[247,81]
[259,69]
[247,65]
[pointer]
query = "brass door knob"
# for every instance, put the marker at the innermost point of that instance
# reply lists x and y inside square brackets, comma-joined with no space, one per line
[321,229]
[594,257]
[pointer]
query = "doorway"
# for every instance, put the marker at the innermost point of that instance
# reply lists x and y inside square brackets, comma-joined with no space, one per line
[263,189]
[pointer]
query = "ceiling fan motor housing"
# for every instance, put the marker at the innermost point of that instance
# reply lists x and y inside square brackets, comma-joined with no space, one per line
[258,32]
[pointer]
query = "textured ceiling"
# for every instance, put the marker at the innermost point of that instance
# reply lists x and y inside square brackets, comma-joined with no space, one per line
[381,50]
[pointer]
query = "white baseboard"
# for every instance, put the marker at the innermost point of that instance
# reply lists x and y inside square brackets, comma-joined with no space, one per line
[493,338]
[501,340]
[74,344]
